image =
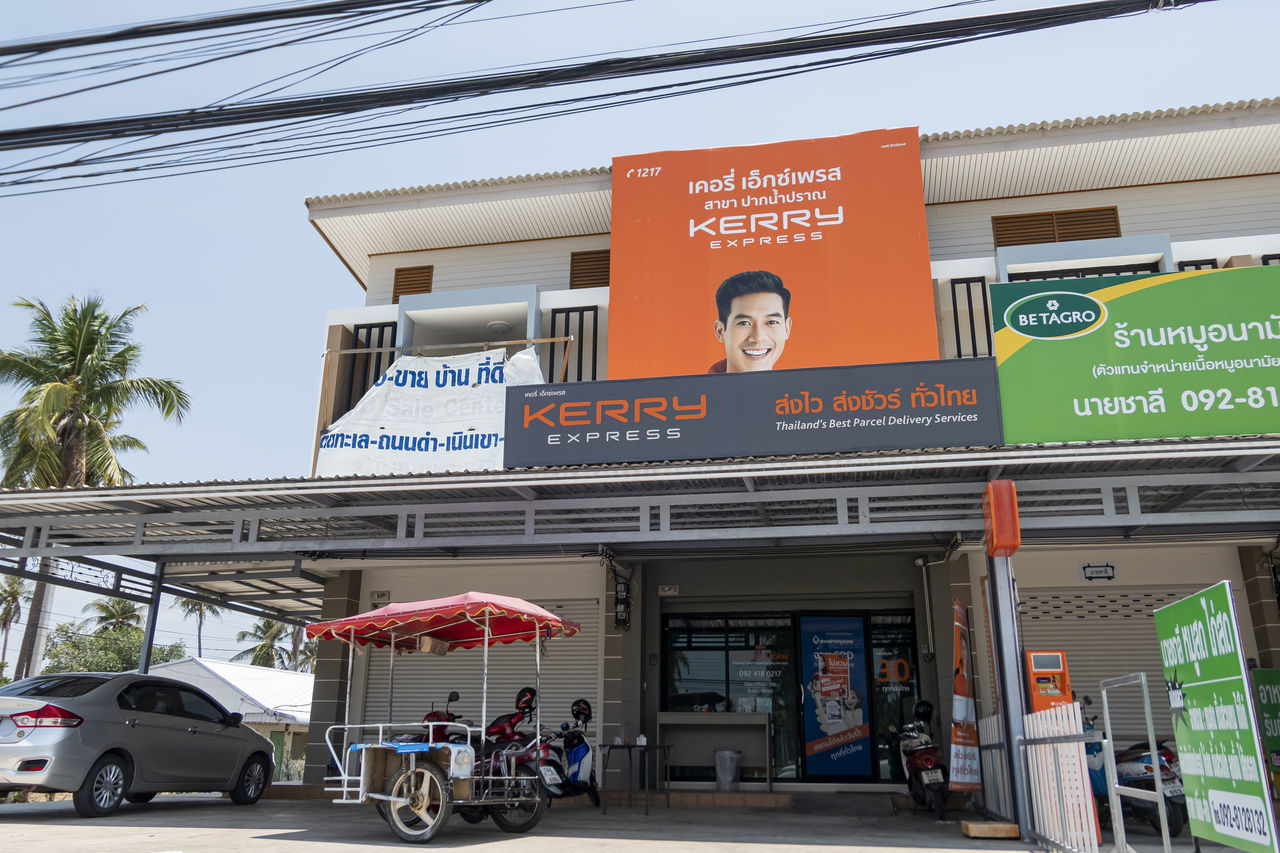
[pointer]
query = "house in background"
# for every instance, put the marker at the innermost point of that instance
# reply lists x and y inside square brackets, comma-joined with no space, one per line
[276,703]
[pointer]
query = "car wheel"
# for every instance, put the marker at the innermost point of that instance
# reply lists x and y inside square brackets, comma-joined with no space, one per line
[252,782]
[103,788]
[140,798]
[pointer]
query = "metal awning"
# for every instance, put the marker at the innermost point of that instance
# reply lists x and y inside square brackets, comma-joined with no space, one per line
[273,542]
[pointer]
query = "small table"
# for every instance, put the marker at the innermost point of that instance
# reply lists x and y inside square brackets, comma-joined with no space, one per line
[661,750]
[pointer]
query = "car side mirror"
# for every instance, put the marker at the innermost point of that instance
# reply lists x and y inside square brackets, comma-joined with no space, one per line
[236,717]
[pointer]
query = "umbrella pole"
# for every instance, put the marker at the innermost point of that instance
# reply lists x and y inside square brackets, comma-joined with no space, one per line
[346,705]
[391,681]
[537,689]
[484,684]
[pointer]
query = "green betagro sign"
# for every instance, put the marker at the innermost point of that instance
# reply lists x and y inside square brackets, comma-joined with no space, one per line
[1223,776]
[1161,356]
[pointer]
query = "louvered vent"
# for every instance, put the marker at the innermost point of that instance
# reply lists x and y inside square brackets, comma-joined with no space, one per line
[410,280]
[589,269]
[1056,227]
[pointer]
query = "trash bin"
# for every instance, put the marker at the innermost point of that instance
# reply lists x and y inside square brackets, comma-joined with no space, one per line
[727,761]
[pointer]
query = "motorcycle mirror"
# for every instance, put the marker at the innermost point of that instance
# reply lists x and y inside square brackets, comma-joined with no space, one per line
[1086,700]
[453,696]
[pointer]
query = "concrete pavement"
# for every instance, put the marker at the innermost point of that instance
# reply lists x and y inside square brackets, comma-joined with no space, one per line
[205,824]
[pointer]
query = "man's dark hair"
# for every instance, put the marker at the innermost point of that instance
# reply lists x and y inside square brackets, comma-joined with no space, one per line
[752,281]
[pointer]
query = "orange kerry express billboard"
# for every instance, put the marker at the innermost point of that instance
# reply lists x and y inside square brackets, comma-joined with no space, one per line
[808,253]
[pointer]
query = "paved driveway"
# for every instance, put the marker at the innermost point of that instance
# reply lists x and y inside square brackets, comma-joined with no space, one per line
[198,824]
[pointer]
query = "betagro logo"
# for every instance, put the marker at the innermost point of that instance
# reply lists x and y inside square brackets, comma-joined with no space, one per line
[1055,316]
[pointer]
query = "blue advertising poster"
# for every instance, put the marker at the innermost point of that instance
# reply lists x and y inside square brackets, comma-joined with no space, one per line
[837,731]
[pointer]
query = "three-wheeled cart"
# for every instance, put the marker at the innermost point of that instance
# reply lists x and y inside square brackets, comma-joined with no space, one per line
[417,774]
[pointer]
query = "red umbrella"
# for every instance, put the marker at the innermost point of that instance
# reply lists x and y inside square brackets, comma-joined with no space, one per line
[458,621]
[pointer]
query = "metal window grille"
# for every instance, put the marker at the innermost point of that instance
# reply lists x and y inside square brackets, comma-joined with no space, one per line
[1086,272]
[584,324]
[1202,264]
[970,317]
[366,367]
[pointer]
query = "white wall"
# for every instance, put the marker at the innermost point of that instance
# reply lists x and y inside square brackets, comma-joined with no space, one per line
[544,263]
[1187,211]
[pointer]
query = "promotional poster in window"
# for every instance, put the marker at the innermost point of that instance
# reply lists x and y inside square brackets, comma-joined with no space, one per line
[809,253]
[837,731]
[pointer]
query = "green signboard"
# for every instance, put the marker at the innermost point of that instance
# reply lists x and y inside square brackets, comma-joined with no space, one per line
[1213,722]
[1160,356]
[1266,689]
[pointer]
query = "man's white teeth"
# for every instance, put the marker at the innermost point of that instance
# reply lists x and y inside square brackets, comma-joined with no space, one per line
[756,353]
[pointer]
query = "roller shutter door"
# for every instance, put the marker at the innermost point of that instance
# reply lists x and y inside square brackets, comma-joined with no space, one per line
[570,670]
[1105,633]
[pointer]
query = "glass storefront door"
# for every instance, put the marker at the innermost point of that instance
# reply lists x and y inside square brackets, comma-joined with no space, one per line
[831,683]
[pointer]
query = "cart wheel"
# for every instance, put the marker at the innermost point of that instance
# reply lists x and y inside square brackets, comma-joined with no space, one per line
[523,816]
[473,814]
[383,808]
[427,809]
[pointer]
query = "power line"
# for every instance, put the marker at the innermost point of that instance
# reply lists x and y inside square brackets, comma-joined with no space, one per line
[373,98]
[213,22]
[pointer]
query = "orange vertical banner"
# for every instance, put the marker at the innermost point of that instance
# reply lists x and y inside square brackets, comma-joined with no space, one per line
[966,762]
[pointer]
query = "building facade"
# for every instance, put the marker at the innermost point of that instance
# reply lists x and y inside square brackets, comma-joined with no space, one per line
[767,602]
[719,612]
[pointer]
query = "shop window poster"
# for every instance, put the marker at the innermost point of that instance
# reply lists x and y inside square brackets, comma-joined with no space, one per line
[837,729]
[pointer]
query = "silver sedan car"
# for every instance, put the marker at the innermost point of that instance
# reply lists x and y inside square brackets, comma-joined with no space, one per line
[107,737]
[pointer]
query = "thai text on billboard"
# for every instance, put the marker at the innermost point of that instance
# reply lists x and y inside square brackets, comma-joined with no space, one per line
[808,253]
[1163,356]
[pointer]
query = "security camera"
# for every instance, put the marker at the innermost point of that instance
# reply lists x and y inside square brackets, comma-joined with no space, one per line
[920,562]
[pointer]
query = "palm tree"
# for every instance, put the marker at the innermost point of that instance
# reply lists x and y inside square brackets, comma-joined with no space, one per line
[305,659]
[77,375]
[14,593]
[112,614]
[267,649]
[201,610]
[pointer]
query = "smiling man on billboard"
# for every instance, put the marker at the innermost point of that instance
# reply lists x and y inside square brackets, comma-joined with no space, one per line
[754,322]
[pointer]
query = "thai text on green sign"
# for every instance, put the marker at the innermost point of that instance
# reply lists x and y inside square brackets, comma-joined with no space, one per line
[1213,721]
[1266,691]
[1161,356]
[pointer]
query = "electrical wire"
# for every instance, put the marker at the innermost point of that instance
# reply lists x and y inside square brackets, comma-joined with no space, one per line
[313,122]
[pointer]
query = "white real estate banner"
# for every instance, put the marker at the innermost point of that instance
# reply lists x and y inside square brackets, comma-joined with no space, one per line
[428,415]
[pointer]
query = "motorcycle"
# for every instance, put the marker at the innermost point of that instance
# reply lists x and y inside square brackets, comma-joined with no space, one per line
[927,780]
[567,770]
[1135,769]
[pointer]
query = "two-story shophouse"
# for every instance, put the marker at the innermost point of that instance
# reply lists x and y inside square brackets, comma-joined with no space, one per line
[776,588]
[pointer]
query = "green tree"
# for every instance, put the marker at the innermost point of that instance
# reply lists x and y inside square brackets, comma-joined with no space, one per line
[113,614]
[268,650]
[14,593]
[70,649]
[77,375]
[201,611]
[305,659]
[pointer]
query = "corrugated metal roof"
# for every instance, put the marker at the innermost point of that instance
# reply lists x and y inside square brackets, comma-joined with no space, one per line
[261,694]
[680,477]
[1069,155]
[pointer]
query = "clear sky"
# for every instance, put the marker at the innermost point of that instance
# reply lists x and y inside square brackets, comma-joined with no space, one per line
[238,283]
